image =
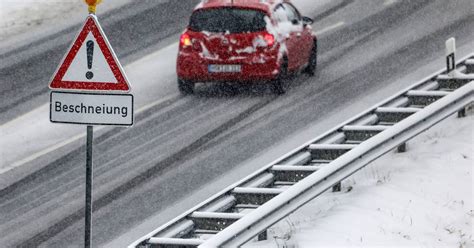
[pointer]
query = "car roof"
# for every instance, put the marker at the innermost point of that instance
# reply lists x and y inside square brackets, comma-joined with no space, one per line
[262,5]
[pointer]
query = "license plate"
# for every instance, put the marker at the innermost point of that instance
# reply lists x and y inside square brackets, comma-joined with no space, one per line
[224,68]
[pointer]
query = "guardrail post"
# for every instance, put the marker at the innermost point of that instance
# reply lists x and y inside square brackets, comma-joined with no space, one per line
[451,56]
[337,187]
[451,65]
[262,236]
[402,147]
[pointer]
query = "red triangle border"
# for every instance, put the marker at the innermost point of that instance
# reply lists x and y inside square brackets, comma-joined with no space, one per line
[90,25]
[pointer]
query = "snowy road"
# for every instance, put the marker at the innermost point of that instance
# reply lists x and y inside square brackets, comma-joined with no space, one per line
[179,145]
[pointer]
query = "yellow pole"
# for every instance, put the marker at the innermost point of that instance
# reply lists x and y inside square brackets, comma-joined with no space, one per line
[92,5]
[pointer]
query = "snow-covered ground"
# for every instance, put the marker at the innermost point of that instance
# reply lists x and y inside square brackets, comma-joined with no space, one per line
[19,15]
[421,198]
[20,20]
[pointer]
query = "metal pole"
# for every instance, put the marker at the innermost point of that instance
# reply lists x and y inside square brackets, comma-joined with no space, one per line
[88,213]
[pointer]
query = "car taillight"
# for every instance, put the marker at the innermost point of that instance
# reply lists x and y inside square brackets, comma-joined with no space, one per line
[185,40]
[264,41]
[270,39]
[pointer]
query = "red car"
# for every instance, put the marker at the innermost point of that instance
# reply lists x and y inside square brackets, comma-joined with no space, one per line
[245,41]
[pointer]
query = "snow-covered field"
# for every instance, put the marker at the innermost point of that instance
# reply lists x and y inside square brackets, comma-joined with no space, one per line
[421,198]
[16,15]
[20,20]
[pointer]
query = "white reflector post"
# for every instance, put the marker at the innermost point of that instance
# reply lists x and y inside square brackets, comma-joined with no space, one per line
[450,56]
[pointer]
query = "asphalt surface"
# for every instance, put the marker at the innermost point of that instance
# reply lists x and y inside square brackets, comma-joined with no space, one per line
[182,144]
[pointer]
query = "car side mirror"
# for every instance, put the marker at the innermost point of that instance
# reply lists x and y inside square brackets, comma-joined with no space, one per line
[307,20]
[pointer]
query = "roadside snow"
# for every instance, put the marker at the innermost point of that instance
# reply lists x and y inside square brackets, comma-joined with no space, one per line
[16,15]
[23,19]
[421,198]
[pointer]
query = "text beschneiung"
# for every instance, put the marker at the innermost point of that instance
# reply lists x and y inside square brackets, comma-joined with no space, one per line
[85,109]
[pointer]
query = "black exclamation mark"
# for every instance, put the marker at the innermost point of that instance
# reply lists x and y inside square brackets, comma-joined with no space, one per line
[90,54]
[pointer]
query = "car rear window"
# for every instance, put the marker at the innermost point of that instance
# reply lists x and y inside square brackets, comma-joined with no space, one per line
[231,20]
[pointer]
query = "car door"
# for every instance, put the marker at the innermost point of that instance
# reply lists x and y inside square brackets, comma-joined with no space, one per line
[289,31]
[302,37]
[303,34]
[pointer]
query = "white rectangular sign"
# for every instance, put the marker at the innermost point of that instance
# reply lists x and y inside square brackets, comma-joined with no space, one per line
[91,108]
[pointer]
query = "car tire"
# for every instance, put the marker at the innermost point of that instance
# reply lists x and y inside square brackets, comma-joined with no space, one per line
[185,87]
[313,60]
[279,84]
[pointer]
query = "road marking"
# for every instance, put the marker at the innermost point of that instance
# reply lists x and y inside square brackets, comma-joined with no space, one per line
[17,119]
[155,103]
[389,2]
[74,138]
[327,29]
[45,151]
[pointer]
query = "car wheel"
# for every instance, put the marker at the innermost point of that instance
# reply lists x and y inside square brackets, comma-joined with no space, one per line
[279,84]
[313,60]
[185,87]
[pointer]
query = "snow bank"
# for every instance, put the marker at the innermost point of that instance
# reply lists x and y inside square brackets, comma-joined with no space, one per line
[422,198]
[20,15]
[40,17]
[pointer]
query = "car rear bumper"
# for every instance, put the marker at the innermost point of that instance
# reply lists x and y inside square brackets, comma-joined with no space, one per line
[194,68]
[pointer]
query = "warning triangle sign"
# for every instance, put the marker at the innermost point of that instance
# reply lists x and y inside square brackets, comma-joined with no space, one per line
[90,64]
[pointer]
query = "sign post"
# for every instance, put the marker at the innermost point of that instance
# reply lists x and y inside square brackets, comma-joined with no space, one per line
[88,208]
[88,89]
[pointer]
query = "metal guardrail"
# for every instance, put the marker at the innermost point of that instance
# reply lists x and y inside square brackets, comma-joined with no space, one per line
[246,209]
